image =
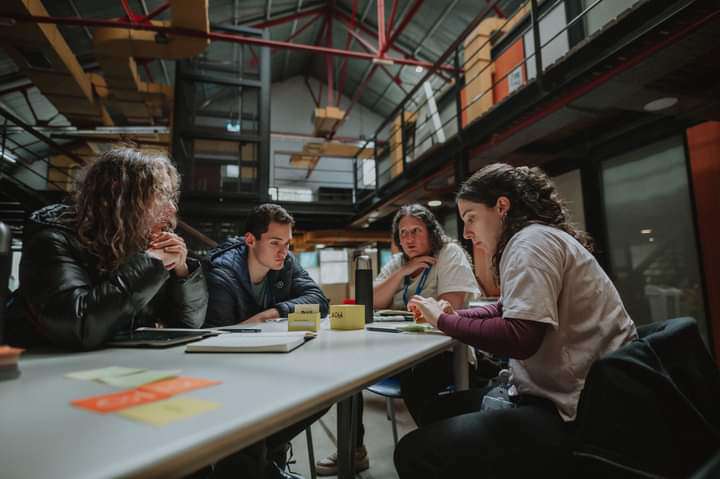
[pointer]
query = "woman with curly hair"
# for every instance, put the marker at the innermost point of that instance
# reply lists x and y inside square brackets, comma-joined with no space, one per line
[558,312]
[110,262]
[429,264]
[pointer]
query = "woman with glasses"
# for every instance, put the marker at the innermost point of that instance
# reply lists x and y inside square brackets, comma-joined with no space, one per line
[429,264]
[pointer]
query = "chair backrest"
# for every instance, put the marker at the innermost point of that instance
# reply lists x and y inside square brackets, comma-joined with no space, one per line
[651,406]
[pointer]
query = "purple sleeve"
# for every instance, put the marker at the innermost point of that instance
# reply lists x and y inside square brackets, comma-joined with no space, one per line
[487,311]
[508,337]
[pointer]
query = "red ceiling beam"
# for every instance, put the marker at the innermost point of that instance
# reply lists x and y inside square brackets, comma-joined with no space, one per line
[382,47]
[393,14]
[403,24]
[348,44]
[356,96]
[217,36]
[156,11]
[445,67]
[351,31]
[329,61]
[290,17]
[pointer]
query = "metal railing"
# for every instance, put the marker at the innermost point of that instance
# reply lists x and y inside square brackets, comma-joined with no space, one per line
[411,131]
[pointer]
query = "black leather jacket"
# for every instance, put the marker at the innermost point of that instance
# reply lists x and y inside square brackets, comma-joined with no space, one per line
[64,300]
[232,300]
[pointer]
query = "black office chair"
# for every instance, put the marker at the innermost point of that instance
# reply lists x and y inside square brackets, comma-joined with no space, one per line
[650,409]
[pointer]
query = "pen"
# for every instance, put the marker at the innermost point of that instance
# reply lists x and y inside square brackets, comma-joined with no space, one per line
[241,330]
[383,330]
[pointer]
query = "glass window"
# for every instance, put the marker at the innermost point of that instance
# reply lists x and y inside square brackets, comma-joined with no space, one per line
[310,263]
[334,266]
[569,185]
[651,234]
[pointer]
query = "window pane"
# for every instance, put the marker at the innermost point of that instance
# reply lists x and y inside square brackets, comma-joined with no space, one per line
[652,239]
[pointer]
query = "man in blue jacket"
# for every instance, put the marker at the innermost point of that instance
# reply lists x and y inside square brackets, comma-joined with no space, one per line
[255,278]
[252,279]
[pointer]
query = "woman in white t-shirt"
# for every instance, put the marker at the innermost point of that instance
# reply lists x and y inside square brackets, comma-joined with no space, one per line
[558,312]
[430,264]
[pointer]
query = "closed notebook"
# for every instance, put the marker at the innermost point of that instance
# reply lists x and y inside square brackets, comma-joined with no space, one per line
[248,343]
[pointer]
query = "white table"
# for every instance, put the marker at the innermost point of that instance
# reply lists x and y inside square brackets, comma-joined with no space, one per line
[41,435]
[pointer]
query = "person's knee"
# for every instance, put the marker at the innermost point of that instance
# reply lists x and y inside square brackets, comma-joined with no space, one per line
[407,450]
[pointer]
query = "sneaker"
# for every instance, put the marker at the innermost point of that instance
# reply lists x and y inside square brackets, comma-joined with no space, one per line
[329,467]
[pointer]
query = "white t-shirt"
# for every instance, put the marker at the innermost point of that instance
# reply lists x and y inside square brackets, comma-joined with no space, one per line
[451,273]
[548,276]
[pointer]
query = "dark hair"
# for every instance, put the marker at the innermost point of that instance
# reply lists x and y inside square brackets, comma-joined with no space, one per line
[533,200]
[261,216]
[438,238]
[114,200]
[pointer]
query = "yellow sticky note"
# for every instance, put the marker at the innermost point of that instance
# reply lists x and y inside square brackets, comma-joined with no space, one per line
[161,413]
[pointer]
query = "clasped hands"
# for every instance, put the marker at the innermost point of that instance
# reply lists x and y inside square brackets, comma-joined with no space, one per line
[171,250]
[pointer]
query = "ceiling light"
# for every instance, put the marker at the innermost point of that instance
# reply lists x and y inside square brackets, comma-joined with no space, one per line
[232,127]
[365,225]
[646,231]
[660,103]
[374,214]
[419,69]
[319,246]
[434,203]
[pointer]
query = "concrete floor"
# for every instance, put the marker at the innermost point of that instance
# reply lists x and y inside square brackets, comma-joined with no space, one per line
[378,438]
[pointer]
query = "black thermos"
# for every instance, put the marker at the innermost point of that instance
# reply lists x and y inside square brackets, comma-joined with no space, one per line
[364,285]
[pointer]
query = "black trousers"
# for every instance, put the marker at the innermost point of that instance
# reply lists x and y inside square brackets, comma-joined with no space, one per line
[255,461]
[457,440]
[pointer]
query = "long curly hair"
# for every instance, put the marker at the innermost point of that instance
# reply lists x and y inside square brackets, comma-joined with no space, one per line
[116,202]
[533,200]
[438,238]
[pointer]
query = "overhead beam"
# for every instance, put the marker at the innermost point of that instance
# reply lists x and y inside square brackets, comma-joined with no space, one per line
[217,36]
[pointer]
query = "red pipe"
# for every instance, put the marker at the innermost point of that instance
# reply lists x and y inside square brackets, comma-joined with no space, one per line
[217,36]
[357,37]
[329,61]
[348,43]
[408,56]
[404,23]
[381,27]
[355,98]
[393,13]
[155,12]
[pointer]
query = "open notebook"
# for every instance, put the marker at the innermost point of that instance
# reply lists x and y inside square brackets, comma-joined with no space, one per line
[251,343]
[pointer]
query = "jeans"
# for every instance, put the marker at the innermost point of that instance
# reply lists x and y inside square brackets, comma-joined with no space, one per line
[457,440]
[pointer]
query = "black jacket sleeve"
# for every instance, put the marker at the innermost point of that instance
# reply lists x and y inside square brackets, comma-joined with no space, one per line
[303,290]
[223,306]
[68,307]
[188,299]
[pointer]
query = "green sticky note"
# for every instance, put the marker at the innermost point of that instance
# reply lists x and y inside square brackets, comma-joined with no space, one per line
[102,373]
[160,413]
[140,378]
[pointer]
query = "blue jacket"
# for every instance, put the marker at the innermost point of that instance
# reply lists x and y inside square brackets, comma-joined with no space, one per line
[231,295]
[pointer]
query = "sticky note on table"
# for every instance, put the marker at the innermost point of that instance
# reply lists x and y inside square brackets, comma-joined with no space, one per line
[138,379]
[178,385]
[161,413]
[117,401]
[101,373]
